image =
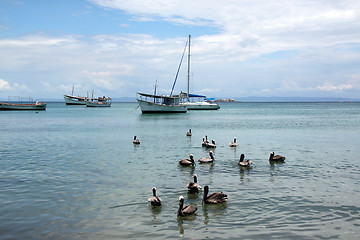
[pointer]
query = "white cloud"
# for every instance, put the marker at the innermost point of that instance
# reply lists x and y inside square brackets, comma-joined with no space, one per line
[4,85]
[240,58]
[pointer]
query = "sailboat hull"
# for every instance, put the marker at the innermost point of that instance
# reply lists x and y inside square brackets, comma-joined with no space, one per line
[201,106]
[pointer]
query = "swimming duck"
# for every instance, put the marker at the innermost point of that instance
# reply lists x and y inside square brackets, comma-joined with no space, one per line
[243,163]
[136,141]
[188,162]
[217,197]
[205,141]
[276,158]
[187,210]
[234,143]
[154,200]
[189,133]
[211,145]
[208,160]
[193,187]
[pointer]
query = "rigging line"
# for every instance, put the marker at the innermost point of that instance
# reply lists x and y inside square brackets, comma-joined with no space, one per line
[182,57]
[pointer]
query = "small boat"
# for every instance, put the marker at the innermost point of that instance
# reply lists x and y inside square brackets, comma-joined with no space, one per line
[198,102]
[22,104]
[151,103]
[74,100]
[98,102]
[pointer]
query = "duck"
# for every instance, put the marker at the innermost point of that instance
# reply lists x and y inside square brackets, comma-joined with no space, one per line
[188,162]
[154,200]
[211,145]
[189,133]
[243,163]
[205,141]
[234,143]
[187,210]
[217,197]
[136,141]
[276,158]
[193,187]
[208,160]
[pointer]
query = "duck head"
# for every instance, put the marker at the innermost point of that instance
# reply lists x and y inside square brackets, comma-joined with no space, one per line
[242,156]
[271,155]
[206,191]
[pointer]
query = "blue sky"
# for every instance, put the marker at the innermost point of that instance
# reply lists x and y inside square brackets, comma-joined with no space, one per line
[239,48]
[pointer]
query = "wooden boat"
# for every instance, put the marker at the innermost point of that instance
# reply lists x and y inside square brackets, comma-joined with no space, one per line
[151,103]
[22,105]
[99,102]
[74,100]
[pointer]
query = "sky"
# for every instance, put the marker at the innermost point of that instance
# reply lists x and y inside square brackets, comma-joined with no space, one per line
[239,48]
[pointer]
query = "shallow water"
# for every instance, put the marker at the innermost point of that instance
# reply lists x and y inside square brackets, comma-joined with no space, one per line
[72,172]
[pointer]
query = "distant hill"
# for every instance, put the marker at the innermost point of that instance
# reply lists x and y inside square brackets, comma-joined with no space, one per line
[294,99]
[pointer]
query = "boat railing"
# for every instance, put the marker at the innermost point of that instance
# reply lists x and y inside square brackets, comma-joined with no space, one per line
[159,99]
[20,100]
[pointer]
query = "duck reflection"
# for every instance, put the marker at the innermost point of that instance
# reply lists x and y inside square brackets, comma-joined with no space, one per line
[182,220]
[274,170]
[213,209]
[187,169]
[243,173]
[156,210]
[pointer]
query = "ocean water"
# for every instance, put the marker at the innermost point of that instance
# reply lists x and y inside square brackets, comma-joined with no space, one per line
[72,172]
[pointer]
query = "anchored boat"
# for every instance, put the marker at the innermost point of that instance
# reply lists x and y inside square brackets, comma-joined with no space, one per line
[194,101]
[98,102]
[74,100]
[22,104]
[152,103]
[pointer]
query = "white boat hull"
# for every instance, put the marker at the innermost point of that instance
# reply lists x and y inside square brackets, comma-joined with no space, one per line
[201,106]
[149,107]
[73,100]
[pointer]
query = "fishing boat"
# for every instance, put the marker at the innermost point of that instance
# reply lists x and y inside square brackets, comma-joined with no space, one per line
[151,103]
[98,102]
[194,101]
[74,100]
[22,104]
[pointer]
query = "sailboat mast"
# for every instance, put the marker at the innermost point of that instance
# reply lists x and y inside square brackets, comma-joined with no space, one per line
[188,83]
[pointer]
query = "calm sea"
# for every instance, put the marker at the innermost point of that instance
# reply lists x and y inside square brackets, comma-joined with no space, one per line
[72,172]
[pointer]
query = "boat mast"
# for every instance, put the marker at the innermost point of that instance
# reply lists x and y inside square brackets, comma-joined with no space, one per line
[155,89]
[188,83]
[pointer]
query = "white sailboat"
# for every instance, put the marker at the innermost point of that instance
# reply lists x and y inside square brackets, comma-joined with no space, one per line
[194,101]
